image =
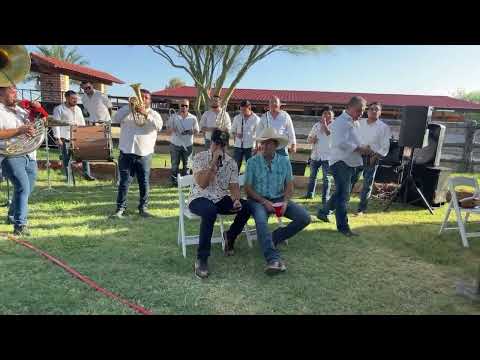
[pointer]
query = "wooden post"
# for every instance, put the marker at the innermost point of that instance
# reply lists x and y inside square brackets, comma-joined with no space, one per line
[468,149]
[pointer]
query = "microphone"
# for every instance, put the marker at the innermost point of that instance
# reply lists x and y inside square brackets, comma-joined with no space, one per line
[219,162]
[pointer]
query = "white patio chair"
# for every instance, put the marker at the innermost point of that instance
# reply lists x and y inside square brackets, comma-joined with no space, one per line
[452,184]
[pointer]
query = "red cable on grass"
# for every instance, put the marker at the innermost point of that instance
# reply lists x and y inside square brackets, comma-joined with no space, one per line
[82,278]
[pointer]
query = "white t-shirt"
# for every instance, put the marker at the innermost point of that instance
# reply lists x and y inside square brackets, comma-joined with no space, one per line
[180,124]
[12,119]
[320,149]
[97,106]
[376,135]
[138,140]
[247,126]
[72,115]
[282,123]
[211,119]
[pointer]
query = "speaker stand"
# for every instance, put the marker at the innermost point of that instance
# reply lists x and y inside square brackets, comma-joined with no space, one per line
[408,182]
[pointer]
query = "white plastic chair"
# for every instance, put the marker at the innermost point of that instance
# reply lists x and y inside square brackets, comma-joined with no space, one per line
[452,184]
[184,239]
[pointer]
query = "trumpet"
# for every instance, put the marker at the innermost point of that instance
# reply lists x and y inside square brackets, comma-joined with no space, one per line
[135,101]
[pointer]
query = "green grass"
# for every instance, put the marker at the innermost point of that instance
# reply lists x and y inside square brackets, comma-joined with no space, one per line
[397,266]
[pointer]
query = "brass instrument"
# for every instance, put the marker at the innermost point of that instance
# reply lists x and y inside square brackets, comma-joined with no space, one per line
[135,101]
[14,67]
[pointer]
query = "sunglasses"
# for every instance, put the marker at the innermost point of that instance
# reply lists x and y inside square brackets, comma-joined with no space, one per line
[87,88]
[183,105]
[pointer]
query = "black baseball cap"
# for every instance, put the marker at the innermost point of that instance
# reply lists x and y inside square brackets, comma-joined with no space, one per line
[220,137]
[245,103]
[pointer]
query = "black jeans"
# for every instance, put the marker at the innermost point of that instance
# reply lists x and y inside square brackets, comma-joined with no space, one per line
[208,211]
[131,165]
[177,154]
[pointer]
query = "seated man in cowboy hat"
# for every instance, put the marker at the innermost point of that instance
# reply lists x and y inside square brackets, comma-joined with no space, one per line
[269,180]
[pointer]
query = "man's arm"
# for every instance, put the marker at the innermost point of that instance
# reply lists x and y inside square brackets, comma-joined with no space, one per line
[204,177]
[291,134]
[260,199]
[24,129]
[121,115]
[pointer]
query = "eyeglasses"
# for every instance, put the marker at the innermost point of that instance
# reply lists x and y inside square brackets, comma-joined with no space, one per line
[183,105]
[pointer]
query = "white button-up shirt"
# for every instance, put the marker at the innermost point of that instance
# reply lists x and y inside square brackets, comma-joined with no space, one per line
[97,106]
[247,126]
[282,123]
[212,119]
[12,119]
[138,140]
[376,135]
[344,141]
[321,148]
[68,114]
[180,124]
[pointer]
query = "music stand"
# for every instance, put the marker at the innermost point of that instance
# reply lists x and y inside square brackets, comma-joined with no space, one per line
[408,182]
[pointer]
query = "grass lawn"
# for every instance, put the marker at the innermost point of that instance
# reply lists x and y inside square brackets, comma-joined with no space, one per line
[397,266]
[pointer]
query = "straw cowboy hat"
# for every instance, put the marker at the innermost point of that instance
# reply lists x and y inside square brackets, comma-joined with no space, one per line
[272,134]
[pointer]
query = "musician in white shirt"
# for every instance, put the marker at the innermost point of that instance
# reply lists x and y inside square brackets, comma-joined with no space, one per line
[212,119]
[97,104]
[375,134]
[320,138]
[281,121]
[182,127]
[244,128]
[21,170]
[69,112]
[137,144]
[345,155]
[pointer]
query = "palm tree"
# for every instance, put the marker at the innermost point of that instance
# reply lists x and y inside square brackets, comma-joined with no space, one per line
[60,52]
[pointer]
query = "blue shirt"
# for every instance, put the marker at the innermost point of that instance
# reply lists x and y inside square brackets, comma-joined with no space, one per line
[268,181]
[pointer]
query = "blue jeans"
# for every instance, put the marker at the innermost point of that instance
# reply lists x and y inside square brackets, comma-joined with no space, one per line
[342,175]
[239,153]
[326,185]
[266,239]
[208,211]
[179,154]
[131,165]
[66,158]
[22,173]
[367,186]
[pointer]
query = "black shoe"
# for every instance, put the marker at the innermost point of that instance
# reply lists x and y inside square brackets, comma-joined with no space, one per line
[275,267]
[21,231]
[201,269]
[145,214]
[349,233]
[323,217]
[229,243]
[119,214]
[89,178]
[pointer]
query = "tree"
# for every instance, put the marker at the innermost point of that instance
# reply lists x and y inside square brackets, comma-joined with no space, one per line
[175,83]
[210,66]
[60,52]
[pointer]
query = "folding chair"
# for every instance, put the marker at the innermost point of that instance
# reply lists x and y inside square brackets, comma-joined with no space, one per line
[184,239]
[452,184]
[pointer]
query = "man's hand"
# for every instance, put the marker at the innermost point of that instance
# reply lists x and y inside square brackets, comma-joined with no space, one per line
[237,205]
[216,154]
[284,207]
[363,150]
[293,148]
[269,206]
[141,109]
[28,130]
[35,105]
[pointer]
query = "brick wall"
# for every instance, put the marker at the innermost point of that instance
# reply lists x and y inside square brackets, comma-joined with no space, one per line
[53,86]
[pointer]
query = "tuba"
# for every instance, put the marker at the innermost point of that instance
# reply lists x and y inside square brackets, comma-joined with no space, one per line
[14,67]
[135,101]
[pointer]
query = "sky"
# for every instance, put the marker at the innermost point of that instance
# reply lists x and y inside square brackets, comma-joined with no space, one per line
[391,69]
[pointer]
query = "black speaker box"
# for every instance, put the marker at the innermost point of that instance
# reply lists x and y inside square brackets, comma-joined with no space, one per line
[415,120]
[432,182]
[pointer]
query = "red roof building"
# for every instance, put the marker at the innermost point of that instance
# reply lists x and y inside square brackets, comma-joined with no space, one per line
[311,102]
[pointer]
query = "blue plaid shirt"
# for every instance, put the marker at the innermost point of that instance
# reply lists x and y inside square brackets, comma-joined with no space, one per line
[268,182]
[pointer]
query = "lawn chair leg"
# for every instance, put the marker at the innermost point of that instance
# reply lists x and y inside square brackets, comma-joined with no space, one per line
[71,174]
[445,220]
[461,226]
[466,217]
[248,236]
[182,233]
[221,232]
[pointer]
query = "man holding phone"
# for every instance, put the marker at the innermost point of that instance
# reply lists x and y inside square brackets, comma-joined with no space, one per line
[182,127]
[216,191]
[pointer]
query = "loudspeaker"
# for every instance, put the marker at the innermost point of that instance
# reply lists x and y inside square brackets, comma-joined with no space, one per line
[387,174]
[432,182]
[394,156]
[431,154]
[413,129]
